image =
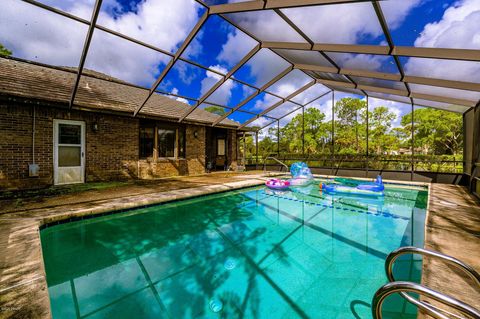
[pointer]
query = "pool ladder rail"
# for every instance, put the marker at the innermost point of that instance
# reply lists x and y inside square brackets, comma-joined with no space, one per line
[404,287]
[276,160]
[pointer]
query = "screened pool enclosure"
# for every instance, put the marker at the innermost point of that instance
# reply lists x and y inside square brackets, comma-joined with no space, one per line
[360,85]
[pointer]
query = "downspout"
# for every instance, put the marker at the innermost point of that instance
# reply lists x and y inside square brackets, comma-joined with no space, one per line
[33,135]
[33,169]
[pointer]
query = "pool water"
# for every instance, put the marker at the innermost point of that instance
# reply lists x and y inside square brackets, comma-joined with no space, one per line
[251,253]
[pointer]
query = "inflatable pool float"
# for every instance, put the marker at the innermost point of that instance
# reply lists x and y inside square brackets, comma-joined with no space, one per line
[300,181]
[347,181]
[367,189]
[301,175]
[279,184]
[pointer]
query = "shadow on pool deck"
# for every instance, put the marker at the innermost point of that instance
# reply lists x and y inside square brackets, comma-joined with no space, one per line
[16,201]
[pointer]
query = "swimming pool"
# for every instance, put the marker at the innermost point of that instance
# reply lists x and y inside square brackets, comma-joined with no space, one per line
[250,253]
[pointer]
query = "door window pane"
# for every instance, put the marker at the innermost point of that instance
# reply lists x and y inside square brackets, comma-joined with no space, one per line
[181,142]
[69,156]
[69,134]
[147,140]
[166,142]
[221,147]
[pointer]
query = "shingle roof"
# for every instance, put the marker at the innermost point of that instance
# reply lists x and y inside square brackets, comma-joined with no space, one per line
[96,91]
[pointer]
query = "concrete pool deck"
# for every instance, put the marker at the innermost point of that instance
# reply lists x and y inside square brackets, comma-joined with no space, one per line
[452,227]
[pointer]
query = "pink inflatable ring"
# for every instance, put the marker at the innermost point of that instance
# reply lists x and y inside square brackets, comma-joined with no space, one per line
[275,183]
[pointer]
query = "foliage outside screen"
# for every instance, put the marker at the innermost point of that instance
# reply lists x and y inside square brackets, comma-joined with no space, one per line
[4,51]
[438,138]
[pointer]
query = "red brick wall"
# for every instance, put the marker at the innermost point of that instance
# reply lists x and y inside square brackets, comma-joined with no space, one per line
[111,151]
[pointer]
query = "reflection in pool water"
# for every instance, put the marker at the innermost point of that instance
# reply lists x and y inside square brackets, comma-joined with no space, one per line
[253,253]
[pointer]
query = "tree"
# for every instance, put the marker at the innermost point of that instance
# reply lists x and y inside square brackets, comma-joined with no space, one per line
[4,51]
[316,134]
[381,139]
[215,109]
[350,128]
[436,131]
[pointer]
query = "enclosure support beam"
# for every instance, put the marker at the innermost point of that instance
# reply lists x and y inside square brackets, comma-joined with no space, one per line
[416,52]
[376,89]
[367,164]
[278,137]
[224,79]
[293,111]
[86,46]
[412,137]
[252,96]
[244,150]
[310,41]
[303,131]
[333,133]
[392,77]
[388,37]
[255,5]
[274,106]
[256,150]
[170,64]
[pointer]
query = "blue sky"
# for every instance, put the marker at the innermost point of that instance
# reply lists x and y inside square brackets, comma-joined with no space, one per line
[35,34]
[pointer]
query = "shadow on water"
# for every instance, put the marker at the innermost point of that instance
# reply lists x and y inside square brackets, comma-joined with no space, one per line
[176,253]
[190,259]
[355,303]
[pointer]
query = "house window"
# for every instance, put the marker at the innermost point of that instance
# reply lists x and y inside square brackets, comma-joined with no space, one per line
[147,140]
[166,142]
[162,141]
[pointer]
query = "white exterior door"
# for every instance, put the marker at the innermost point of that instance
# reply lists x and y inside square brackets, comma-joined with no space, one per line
[68,152]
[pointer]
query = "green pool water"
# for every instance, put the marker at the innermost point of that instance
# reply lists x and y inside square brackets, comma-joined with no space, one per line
[251,253]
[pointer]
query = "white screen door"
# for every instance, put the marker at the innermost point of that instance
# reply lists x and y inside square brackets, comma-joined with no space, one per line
[68,152]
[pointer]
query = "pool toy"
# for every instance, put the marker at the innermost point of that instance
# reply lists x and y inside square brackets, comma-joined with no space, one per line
[276,183]
[348,181]
[301,174]
[367,189]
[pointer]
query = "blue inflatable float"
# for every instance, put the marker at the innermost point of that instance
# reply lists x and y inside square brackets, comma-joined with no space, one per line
[301,174]
[368,189]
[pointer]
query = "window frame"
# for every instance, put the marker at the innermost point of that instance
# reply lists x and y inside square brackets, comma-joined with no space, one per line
[176,148]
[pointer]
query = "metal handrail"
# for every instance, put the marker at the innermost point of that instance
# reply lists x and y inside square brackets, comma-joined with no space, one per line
[430,253]
[276,160]
[430,309]
[403,287]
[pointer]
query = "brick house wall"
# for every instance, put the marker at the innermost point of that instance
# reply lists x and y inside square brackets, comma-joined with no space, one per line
[193,164]
[112,151]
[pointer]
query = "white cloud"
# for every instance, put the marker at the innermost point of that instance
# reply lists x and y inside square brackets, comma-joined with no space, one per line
[35,34]
[291,82]
[453,93]
[237,46]
[359,61]
[395,11]
[266,26]
[313,92]
[282,109]
[265,102]
[458,28]
[343,23]
[265,65]
[177,98]
[221,95]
